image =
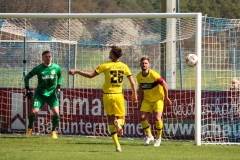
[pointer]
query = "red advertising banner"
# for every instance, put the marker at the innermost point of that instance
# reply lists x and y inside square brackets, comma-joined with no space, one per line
[82,113]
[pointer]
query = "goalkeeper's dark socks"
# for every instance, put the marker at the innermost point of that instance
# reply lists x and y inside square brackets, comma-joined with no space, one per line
[55,120]
[31,118]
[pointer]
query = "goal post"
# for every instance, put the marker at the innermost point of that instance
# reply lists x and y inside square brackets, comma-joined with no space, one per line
[93,33]
[198,79]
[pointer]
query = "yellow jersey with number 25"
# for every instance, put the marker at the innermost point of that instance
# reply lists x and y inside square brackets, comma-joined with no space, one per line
[114,73]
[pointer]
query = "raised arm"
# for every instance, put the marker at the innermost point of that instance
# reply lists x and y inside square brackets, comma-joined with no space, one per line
[134,91]
[82,73]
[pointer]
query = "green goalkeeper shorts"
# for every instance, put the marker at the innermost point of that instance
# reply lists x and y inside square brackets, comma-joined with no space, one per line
[39,100]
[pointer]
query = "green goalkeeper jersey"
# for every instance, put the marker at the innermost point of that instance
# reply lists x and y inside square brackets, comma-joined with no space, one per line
[48,78]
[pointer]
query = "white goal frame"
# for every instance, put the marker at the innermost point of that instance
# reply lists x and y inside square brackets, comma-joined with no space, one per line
[198,29]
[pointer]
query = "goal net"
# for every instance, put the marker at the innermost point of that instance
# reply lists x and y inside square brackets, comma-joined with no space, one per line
[83,42]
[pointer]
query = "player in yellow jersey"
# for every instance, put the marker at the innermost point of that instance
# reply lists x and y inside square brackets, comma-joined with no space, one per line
[153,91]
[113,99]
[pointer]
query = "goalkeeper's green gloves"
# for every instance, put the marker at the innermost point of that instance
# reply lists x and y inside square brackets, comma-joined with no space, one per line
[29,93]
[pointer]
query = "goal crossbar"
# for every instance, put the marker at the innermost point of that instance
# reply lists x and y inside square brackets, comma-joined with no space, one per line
[100,15]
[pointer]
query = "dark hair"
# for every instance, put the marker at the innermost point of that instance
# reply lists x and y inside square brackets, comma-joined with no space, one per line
[45,52]
[144,58]
[117,51]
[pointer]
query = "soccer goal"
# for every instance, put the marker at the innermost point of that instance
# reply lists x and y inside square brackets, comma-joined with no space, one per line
[83,41]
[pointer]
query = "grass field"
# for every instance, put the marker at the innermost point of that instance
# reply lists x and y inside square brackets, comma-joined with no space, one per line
[79,147]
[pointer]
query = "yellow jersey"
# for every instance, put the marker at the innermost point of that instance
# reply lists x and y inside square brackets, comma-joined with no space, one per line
[151,89]
[114,72]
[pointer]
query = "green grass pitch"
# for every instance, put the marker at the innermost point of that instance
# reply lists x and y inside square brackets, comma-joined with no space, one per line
[80,147]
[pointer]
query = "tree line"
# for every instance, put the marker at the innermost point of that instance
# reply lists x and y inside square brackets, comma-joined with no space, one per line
[213,8]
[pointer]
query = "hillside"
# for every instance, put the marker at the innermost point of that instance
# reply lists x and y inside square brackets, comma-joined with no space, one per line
[213,8]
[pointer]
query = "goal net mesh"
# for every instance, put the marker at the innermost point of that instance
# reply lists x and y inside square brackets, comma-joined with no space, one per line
[85,44]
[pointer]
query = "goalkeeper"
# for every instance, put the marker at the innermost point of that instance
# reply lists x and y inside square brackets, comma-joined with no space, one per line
[153,91]
[113,100]
[49,81]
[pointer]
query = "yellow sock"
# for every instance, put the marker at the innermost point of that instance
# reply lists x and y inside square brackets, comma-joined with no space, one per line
[159,127]
[146,127]
[113,132]
[121,121]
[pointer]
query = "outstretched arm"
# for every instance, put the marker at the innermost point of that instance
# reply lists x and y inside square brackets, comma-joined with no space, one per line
[134,91]
[82,73]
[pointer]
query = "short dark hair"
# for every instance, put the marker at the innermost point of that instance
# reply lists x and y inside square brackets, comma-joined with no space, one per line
[45,52]
[117,51]
[144,58]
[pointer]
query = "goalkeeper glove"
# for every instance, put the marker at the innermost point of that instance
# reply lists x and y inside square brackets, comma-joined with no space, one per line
[58,90]
[29,93]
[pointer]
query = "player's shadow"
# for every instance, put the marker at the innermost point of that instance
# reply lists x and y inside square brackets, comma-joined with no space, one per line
[16,137]
[87,151]
[90,143]
[102,143]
